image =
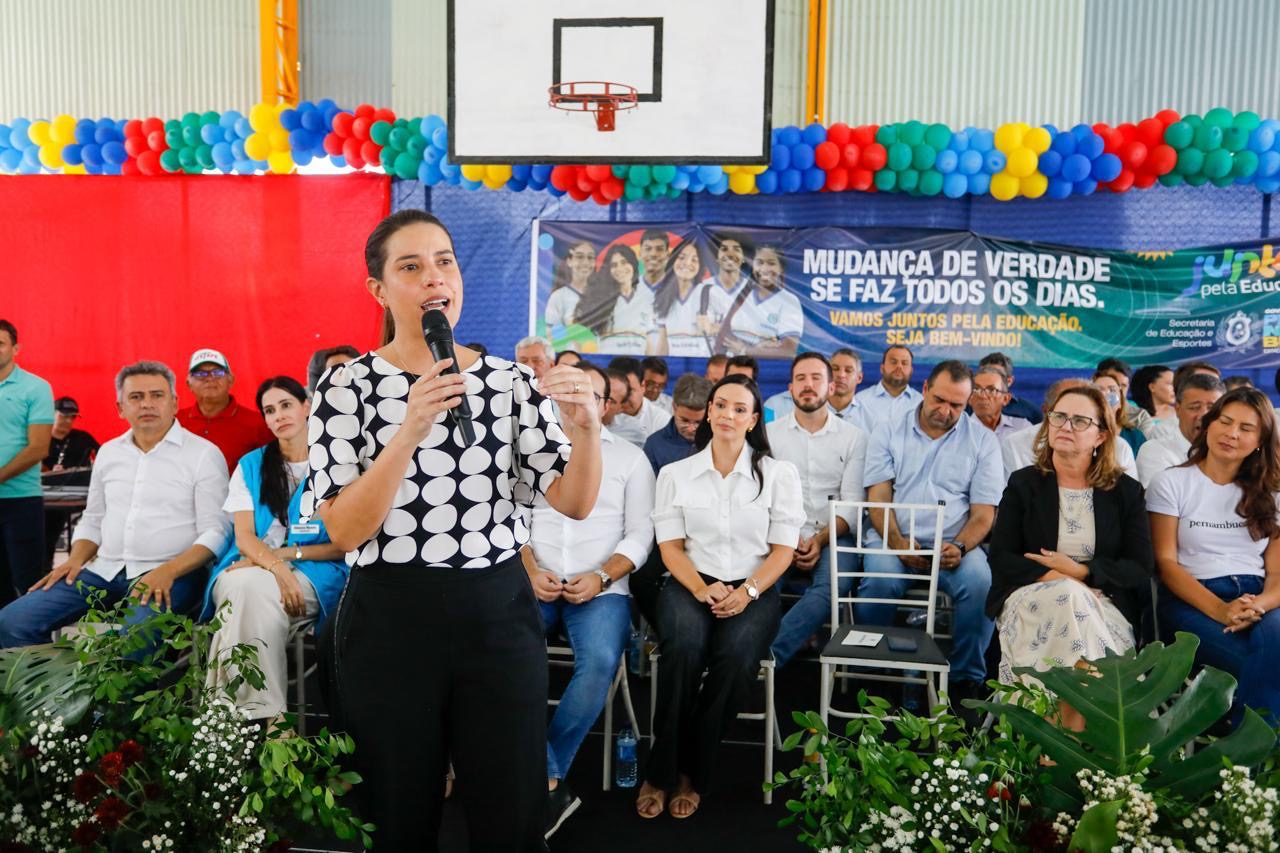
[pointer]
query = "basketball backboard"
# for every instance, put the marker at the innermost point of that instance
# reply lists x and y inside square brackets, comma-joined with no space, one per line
[701,71]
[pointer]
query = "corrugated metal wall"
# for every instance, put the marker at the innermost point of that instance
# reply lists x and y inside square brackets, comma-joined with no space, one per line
[342,47]
[419,59]
[127,58]
[790,54]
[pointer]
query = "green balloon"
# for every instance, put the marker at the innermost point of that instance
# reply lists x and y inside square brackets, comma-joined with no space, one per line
[401,122]
[1190,162]
[191,120]
[193,169]
[379,131]
[1193,120]
[640,175]
[923,156]
[415,126]
[619,172]
[912,133]
[899,156]
[655,191]
[169,160]
[204,156]
[1172,179]
[886,180]
[1208,137]
[1197,180]
[210,117]
[930,182]
[172,125]
[388,159]
[1247,120]
[664,174]
[187,157]
[908,180]
[673,192]
[631,192]
[406,166]
[937,137]
[190,136]
[1245,164]
[399,138]
[1219,117]
[1179,134]
[887,134]
[1223,182]
[1217,163]
[416,145]
[1235,138]
[173,138]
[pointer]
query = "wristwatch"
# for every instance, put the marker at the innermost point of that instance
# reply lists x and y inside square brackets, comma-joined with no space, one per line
[605,580]
[963,548]
[297,552]
[752,589]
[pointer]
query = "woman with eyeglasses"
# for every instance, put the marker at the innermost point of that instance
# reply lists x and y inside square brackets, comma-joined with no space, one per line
[1071,557]
[1120,411]
[1215,521]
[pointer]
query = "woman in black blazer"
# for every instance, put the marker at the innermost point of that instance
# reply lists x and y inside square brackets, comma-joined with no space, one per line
[1071,557]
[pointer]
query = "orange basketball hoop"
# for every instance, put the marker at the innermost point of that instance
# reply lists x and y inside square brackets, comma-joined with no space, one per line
[594,96]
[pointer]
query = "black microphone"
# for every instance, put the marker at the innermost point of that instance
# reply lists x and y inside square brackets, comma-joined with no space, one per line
[439,335]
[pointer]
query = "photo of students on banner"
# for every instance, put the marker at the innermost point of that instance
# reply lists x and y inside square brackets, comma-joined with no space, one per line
[693,290]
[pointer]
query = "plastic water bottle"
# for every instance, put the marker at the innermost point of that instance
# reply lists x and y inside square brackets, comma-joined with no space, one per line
[624,759]
[635,652]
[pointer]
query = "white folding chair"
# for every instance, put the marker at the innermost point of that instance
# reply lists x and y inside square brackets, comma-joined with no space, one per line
[563,656]
[927,658]
[298,635]
[769,716]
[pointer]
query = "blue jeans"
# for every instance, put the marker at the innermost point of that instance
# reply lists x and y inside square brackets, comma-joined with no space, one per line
[814,607]
[1252,655]
[34,617]
[967,584]
[598,631]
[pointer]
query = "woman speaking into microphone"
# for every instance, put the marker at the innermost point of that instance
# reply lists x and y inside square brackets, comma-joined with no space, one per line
[435,651]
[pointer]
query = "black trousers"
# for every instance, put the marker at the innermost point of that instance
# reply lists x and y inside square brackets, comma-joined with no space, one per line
[22,561]
[645,583]
[693,712]
[425,665]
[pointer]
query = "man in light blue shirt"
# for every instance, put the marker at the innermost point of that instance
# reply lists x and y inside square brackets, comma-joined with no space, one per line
[938,454]
[26,423]
[892,398]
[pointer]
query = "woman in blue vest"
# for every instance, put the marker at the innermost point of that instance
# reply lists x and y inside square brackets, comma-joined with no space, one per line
[278,573]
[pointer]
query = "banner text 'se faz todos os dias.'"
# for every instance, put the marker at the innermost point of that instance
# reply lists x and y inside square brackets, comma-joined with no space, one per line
[689,289]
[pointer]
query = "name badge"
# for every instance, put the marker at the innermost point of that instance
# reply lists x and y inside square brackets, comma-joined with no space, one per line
[304,529]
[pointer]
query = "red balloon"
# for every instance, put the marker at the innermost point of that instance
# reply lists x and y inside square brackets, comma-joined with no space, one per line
[132,127]
[1134,155]
[1129,131]
[1168,117]
[837,180]
[1150,131]
[342,124]
[1144,180]
[365,111]
[149,163]
[1111,138]
[369,151]
[563,177]
[585,184]
[874,157]
[129,167]
[351,151]
[1161,160]
[576,193]
[839,133]
[826,155]
[850,155]
[863,135]
[612,189]
[599,197]
[135,145]
[333,144]
[151,125]
[599,172]
[1123,182]
[385,114]
[861,179]
[155,140]
[360,127]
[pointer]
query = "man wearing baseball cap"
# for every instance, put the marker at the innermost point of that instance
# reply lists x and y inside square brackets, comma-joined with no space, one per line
[69,448]
[216,415]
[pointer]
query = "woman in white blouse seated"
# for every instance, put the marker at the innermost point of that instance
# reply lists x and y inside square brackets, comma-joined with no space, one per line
[727,522]
[278,573]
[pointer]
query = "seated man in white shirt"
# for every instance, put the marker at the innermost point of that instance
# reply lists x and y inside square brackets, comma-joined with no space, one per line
[579,570]
[990,395]
[1017,449]
[638,418]
[153,519]
[829,454]
[656,375]
[1196,396]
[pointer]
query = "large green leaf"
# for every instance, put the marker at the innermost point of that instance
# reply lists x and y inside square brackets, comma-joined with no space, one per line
[1096,832]
[1130,723]
[34,678]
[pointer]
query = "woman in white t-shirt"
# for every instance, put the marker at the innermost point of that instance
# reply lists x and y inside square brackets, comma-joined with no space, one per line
[618,306]
[569,283]
[279,573]
[727,521]
[681,305]
[764,320]
[1215,527]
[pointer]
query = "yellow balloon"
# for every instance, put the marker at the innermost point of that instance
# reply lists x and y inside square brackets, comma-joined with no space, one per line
[474,171]
[281,162]
[1003,186]
[493,183]
[1021,162]
[1008,137]
[499,173]
[63,129]
[39,133]
[755,170]
[1037,139]
[729,170]
[262,117]
[51,155]
[279,139]
[742,183]
[257,146]
[1034,186]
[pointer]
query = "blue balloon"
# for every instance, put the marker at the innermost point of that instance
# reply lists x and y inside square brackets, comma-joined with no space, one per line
[111,168]
[710,174]
[339,161]
[1106,168]
[555,193]
[30,161]
[814,179]
[767,182]
[721,186]
[541,171]
[96,170]
[1085,187]
[1091,146]
[313,122]
[946,163]
[1081,132]
[303,158]
[440,138]
[299,140]
[790,135]
[290,120]
[430,124]
[1268,185]
[23,124]
[780,157]
[91,155]
[18,138]
[10,159]
[681,180]
[516,185]
[85,129]
[1268,164]
[237,150]
[1262,138]
[210,134]
[814,133]
[325,104]
[791,180]
[993,162]
[229,118]
[979,183]
[802,156]
[71,155]
[5,130]
[982,140]
[1053,130]
[1064,144]
[113,153]
[1050,163]
[243,129]
[1059,188]
[521,172]
[471,185]
[955,184]
[245,167]
[451,171]
[103,135]
[432,154]
[1075,168]
[959,142]
[223,157]
[537,185]
[970,162]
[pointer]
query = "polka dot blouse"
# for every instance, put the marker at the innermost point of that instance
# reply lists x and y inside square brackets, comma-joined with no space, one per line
[456,507]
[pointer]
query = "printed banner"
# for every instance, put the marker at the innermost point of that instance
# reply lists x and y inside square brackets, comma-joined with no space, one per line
[692,289]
